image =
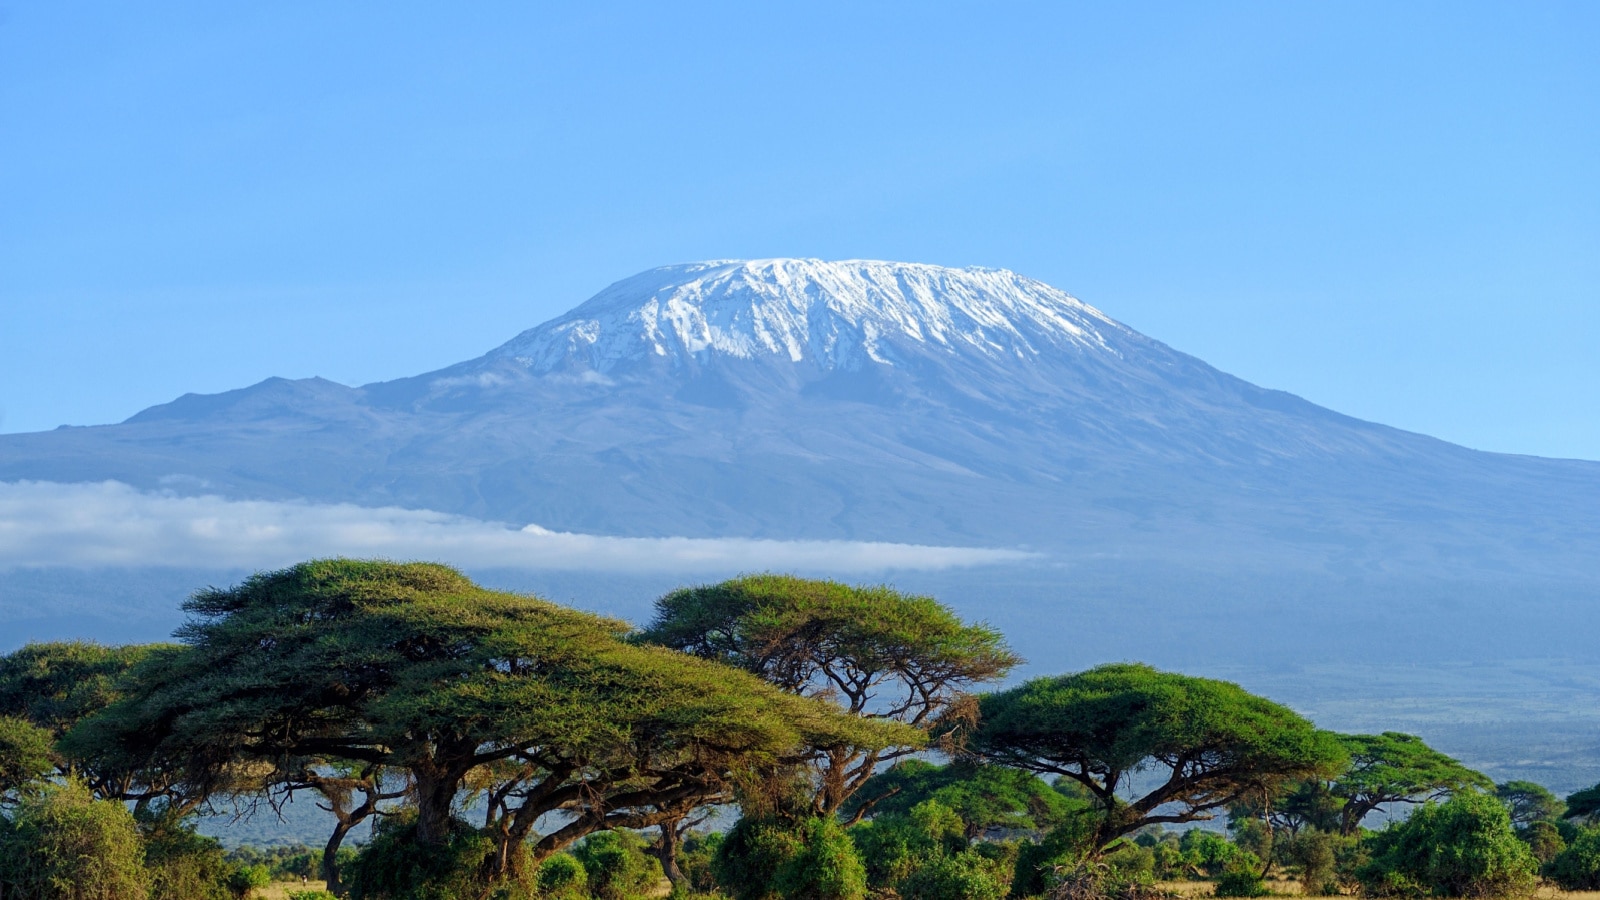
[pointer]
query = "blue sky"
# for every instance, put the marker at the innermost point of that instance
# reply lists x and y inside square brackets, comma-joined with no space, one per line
[1390,209]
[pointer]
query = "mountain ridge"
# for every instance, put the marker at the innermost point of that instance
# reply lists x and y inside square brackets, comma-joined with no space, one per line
[776,412]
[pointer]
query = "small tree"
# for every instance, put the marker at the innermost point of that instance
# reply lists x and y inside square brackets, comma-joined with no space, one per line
[1396,768]
[26,757]
[1215,742]
[62,844]
[1529,802]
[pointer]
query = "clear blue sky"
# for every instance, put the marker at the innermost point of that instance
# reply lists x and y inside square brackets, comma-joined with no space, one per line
[1390,209]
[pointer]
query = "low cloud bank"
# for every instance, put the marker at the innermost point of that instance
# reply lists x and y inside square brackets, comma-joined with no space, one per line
[46,524]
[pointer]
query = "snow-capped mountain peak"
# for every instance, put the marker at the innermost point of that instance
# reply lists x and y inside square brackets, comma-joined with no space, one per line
[837,315]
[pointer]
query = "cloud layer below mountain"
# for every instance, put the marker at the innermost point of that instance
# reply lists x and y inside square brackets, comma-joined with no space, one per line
[89,525]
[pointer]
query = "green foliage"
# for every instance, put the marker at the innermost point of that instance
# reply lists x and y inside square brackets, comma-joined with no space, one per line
[1316,854]
[312,895]
[1544,840]
[1242,883]
[748,858]
[1396,768]
[814,859]
[877,652]
[183,864]
[1464,847]
[415,668]
[982,796]
[617,866]
[1577,867]
[25,756]
[1584,804]
[958,876]
[695,860]
[56,685]
[562,877]
[825,867]
[1213,854]
[1529,802]
[1065,847]
[396,866]
[244,879]
[895,844]
[62,844]
[1102,725]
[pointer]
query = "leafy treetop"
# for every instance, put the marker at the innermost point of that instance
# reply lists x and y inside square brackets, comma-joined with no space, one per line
[1217,742]
[413,667]
[1396,768]
[876,652]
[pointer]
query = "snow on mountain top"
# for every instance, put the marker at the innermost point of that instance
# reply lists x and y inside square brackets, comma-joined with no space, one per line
[836,314]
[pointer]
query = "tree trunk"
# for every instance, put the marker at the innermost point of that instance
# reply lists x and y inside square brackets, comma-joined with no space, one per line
[435,794]
[330,857]
[666,851]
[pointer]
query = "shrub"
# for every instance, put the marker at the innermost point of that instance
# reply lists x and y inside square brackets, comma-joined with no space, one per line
[62,844]
[749,856]
[562,876]
[617,866]
[312,895]
[1463,848]
[1214,854]
[1577,868]
[1544,840]
[244,879]
[960,876]
[695,860]
[1316,854]
[1241,883]
[183,864]
[1064,847]
[395,867]
[826,866]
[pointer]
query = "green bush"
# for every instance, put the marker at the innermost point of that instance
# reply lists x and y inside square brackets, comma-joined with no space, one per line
[183,864]
[617,866]
[826,866]
[562,876]
[1577,868]
[1544,840]
[1316,854]
[244,879]
[1213,854]
[312,895]
[1065,847]
[1241,883]
[62,844]
[751,854]
[959,876]
[695,859]
[895,844]
[395,867]
[1463,848]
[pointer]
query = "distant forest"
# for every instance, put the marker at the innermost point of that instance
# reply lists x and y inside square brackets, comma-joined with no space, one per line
[764,738]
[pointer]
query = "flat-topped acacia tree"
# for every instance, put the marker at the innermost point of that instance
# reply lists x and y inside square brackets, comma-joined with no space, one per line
[879,654]
[1213,742]
[414,668]
[1396,768]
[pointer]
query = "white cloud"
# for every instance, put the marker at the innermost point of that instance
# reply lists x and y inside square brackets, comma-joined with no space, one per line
[111,524]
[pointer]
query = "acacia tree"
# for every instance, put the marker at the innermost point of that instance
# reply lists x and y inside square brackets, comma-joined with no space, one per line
[1215,742]
[1529,802]
[879,654]
[1396,768]
[414,668]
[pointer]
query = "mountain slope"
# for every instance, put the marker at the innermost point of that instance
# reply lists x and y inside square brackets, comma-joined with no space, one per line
[865,400]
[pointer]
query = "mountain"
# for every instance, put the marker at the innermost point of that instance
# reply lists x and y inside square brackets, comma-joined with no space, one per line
[866,400]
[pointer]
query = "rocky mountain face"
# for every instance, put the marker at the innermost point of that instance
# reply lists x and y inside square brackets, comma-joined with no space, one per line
[865,400]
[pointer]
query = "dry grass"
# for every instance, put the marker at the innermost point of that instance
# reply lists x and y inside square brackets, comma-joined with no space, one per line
[279,890]
[1291,888]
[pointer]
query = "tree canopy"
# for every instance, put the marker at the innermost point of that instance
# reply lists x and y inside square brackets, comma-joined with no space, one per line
[1529,802]
[1216,742]
[413,667]
[1396,768]
[982,796]
[878,653]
